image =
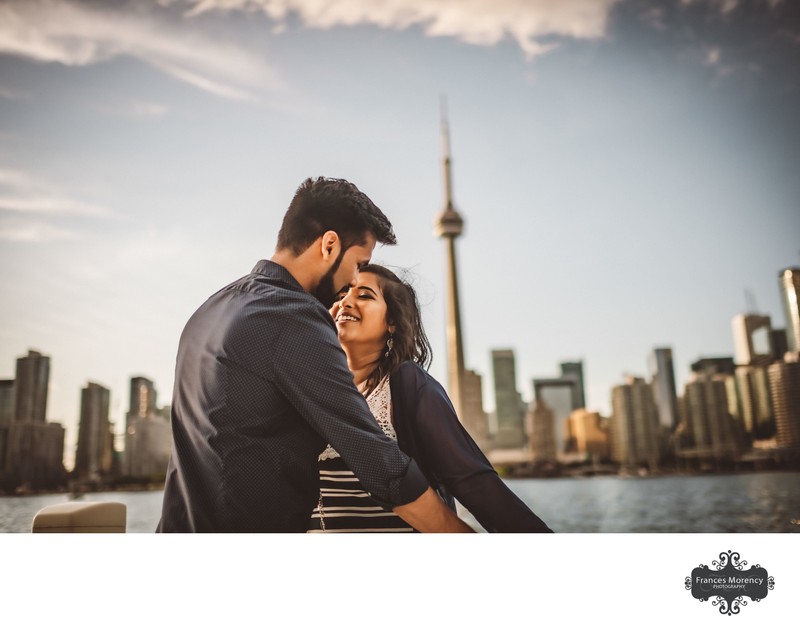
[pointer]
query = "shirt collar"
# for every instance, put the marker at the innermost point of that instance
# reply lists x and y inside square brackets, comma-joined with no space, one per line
[274,271]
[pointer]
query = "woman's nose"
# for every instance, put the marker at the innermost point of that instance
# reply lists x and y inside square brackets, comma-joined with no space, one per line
[346,301]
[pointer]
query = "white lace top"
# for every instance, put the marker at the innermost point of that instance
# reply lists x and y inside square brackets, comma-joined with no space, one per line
[380,404]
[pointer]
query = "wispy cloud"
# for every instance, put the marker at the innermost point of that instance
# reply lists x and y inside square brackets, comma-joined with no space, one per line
[31,208]
[23,193]
[75,34]
[22,231]
[12,94]
[136,109]
[480,22]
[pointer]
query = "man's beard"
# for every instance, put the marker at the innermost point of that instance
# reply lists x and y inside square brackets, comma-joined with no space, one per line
[325,292]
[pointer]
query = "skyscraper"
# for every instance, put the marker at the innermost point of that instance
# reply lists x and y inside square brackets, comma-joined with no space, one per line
[752,339]
[712,434]
[784,382]
[33,449]
[634,424]
[723,369]
[790,296]
[509,407]
[714,365]
[662,376]
[589,433]
[474,417]
[449,225]
[757,415]
[148,435]
[6,401]
[30,387]
[94,453]
[754,351]
[574,370]
[558,394]
[143,398]
[542,436]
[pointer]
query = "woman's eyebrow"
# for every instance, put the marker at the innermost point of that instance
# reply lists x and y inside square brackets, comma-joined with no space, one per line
[369,289]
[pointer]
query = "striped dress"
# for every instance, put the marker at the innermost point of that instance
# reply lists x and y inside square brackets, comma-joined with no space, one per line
[344,506]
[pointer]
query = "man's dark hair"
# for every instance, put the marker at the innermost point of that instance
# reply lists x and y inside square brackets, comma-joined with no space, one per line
[322,204]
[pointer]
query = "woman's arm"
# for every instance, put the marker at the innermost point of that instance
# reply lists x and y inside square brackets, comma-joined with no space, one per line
[451,455]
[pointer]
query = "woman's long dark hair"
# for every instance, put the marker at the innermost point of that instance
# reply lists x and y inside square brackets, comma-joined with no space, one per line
[409,342]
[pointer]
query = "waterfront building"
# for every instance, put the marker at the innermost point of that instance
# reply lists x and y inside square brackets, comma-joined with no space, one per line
[509,406]
[574,370]
[148,433]
[6,402]
[662,375]
[755,403]
[634,425]
[559,394]
[474,417]
[148,445]
[34,453]
[714,366]
[723,369]
[784,383]
[754,351]
[780,343]
[541,426]
[789,280]
[142,398]
[31,449]
[94,452]
[30,387]
[588,435]
[752,339]
[710,433]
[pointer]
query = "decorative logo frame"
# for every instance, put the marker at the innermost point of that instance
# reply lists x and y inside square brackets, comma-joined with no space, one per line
[729,583]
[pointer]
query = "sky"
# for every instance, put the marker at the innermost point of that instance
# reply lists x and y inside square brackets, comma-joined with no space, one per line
[626,169]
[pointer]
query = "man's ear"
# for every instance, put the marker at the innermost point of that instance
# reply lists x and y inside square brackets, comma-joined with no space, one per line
[330,245]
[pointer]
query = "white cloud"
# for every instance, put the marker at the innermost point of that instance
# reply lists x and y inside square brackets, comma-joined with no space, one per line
[15,230]
[12,94]
[22,193]
[137,109]
[74,34]
[481,22]
[42,204]
[25,202]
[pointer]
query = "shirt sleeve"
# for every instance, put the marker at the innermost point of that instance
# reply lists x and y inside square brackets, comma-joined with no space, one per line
[450,452]
[310,369]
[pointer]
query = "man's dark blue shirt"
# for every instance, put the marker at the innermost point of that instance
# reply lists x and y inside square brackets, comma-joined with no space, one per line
[261,386]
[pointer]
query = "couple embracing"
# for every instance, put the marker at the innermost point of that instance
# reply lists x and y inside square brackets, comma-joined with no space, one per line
[302,403]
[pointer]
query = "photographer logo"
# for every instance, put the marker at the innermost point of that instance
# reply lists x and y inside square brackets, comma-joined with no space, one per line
[729,583]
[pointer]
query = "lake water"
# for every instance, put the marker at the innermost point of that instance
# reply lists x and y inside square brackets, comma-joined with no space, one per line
[766,502]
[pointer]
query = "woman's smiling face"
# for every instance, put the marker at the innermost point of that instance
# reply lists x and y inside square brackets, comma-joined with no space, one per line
[360,314]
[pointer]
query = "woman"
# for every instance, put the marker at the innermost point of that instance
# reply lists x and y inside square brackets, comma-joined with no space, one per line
[380,328]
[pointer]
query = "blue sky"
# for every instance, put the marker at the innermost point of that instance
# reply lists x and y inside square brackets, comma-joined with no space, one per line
[627,170]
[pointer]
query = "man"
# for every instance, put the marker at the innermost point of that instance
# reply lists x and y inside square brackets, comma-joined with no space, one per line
[262,385]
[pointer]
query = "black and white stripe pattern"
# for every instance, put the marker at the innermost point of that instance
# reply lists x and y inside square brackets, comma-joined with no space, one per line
[344,505]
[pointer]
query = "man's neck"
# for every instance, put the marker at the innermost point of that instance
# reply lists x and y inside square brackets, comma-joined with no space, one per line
[298,267]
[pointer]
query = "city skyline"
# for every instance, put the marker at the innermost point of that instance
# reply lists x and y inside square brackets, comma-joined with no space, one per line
[625,172]
[143,400]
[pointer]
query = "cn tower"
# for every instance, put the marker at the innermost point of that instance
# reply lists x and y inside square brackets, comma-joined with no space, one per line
[449,225]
